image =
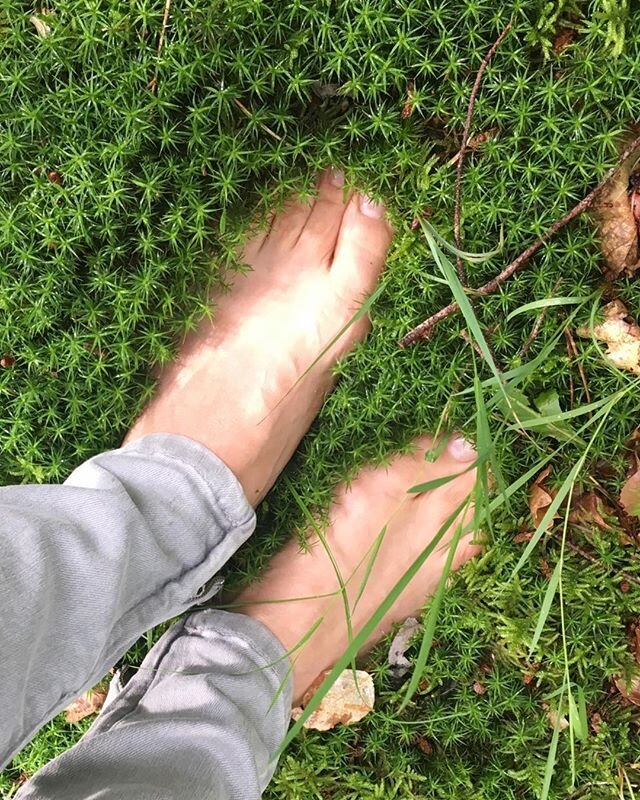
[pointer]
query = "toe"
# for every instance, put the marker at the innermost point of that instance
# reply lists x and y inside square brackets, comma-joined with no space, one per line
[320,233]
[361,249]
[287,226]
[465,551]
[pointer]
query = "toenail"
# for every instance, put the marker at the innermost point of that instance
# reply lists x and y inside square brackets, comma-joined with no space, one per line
[461,449]
[337,177]
[371,209]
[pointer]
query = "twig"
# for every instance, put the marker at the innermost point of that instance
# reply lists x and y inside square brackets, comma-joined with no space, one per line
[594,560]
[153,83]
[165,25]
[264,127]
[423,330]
[571,344]
[537,325]
[463,147]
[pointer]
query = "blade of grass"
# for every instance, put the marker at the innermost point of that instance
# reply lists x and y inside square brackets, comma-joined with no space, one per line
[550,594]
[547,302]
[432,618]
[553,749]
[368,629]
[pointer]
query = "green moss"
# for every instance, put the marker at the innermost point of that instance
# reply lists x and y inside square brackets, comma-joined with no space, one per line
[121,203]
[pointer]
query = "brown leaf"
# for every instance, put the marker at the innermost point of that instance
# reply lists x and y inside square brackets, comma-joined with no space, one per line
[424,745]
[554,720]
[347,701]
[595,720]
[563,38]
[621,334]
[399,664]
[616,222]
[587,510]
[42,29]
[523,536]
[6,361]
[540,499]
[89,703]
[407,109]
[475,142]
[479,688]
[630,495]
[630,694]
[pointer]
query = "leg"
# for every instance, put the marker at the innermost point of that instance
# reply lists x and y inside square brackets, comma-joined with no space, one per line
[146,516]
[205,714]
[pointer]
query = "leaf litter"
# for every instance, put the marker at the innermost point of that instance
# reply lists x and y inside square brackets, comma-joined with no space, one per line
[620,332]
[617,213]
[399,664]
[349,700]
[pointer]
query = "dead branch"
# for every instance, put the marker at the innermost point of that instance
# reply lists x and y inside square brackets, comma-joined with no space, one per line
[463,147]
[423,331]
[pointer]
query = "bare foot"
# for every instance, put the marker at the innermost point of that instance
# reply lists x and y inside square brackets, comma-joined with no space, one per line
[377,497]
[229,387]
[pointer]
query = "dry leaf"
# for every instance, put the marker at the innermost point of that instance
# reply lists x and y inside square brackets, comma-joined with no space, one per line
[540,499]
[621,334]
[616,222]
[552,716]
[630,495]
[630,694]
[563,38]
[475,142]
[424,745]
[398,662]
[407,109]
[42,29]
[587,510]
[89,703]
[349,700]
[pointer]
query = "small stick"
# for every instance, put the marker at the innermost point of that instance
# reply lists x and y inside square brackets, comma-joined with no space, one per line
[264,127]
[153,83]
[423,330]
[165,25]
[463,147]
[571,344]
[537,324]
[594,560]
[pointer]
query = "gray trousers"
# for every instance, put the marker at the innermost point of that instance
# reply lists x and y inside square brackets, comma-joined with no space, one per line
[131,539]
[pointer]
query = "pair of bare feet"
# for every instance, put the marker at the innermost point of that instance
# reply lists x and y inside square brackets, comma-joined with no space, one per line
[231,390]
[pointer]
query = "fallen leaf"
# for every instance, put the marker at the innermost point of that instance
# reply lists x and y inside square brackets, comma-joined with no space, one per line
[475,142]
[424,745]
[540,499]
[399,664]
[588,509]
[616,223]
[554,720]
[563,38]
[89,703]
[349,700]
[407,109]
[622,335]
[630,495]
[42,29]
[595,720]
[523,536]
[630,692]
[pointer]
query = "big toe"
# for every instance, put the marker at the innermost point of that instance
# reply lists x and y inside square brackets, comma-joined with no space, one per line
[360,251]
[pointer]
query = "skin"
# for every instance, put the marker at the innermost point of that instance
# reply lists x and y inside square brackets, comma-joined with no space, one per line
[235,388]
